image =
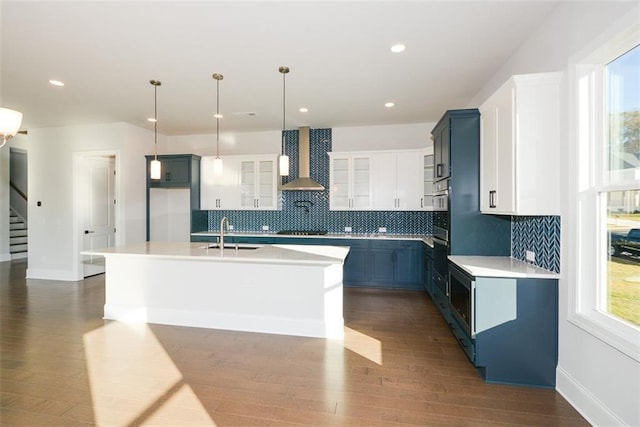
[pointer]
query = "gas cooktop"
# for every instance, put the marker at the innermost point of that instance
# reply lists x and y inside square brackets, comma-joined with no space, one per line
[303,232]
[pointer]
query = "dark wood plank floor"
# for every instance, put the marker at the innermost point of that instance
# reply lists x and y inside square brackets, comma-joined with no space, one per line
[398,365]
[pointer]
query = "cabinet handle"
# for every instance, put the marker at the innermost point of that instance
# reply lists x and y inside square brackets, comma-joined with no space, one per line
[492,198]
[439,170]
[421,202]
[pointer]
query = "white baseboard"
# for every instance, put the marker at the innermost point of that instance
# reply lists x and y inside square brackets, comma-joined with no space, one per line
[590,407]
[65,275]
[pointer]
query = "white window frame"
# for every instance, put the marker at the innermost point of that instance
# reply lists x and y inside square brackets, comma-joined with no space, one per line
[589,140]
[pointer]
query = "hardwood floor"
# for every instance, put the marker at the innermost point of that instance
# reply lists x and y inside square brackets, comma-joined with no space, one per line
[398,365]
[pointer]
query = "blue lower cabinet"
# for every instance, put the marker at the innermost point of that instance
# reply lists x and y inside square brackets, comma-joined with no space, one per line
[428,270]
[382,255]
[357,265]
[409,266]
[513,336]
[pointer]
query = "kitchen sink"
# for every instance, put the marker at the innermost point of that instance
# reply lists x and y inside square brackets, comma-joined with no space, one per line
[234,246]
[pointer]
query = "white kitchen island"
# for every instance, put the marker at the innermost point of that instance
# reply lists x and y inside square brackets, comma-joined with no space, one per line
[279,289]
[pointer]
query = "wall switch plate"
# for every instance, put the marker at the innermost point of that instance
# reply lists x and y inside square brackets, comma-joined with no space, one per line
[531,256]
[265,228]
[347,229]
[382,229]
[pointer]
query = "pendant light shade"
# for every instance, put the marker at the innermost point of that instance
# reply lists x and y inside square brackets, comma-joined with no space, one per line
[156,166]
[283,162]
[283,165]
[10,121]
[217,162]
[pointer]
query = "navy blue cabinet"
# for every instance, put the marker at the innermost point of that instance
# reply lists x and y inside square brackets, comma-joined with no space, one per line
[513,336]
[428,270]
[176,171]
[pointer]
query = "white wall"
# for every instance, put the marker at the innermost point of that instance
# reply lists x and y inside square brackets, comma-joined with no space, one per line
[231,143]
[601,382]
[390,137]
[52,245]
[357,138]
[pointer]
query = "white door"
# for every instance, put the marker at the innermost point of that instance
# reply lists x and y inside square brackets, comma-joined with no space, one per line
[98,205]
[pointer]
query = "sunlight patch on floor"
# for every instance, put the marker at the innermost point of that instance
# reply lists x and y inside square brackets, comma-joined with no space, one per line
[134,381]
[364,345]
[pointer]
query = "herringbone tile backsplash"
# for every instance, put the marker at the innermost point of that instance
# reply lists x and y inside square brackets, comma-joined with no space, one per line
[540,234]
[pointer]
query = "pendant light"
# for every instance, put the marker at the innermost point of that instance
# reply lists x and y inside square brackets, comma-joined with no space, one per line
[156,166]
[217,162]
[10,121]
[284,159]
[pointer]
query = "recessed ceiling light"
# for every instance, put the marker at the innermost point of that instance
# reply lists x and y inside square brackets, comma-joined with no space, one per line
[217,116]
[397,48]
[151,119]
[56,82]
[389,104]
[303,110]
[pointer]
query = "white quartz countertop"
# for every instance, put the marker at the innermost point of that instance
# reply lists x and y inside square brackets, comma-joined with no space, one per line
[497,266]
[378,236]
[263,254]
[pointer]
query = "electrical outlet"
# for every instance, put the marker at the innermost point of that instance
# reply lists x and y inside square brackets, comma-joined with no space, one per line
[382,229]
[347,229]
[230,227]
[531,256]
[265,228]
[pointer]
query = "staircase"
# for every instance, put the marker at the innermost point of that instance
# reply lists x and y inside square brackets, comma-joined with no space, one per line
[17,236]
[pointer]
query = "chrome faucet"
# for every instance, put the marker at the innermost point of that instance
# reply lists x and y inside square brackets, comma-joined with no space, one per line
[222,221]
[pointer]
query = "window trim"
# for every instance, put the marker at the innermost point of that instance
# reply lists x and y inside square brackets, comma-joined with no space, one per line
[587,118]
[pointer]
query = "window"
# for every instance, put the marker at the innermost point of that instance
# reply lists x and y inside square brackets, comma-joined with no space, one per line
[606,301]
[620,192]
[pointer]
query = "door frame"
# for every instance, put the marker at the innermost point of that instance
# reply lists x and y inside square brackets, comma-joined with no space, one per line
[78,230]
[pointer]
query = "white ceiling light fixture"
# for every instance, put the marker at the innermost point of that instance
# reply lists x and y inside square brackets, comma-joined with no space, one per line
[10,121]
[217,162]
[156,166]
[303,110]
[283,162]
[389,104]
[398,47]
[56,83]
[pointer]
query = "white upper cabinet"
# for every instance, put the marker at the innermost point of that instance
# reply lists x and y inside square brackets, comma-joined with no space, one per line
[350,181]
[519,165]
[398,180]
[259,184]
[219,192]
[246,183]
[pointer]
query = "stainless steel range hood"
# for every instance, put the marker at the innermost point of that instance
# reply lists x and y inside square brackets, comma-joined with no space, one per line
[303,181]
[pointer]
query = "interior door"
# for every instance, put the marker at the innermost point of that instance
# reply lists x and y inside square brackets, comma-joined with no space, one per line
[98,201]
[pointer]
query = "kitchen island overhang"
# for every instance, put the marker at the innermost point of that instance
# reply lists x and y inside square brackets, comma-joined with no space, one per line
[279,289]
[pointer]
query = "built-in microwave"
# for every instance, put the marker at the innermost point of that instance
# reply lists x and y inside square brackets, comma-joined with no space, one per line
[462,289]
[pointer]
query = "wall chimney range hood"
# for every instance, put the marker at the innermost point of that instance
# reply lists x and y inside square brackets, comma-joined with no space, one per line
[303,182]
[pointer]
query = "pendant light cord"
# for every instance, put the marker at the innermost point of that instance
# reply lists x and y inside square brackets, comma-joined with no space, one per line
[155,118]
[284,70]
[217,118]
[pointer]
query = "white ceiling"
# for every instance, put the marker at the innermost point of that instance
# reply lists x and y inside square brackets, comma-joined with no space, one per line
[338,52]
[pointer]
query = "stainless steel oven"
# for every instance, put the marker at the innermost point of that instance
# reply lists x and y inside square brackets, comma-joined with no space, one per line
[441,195]
[462,298]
